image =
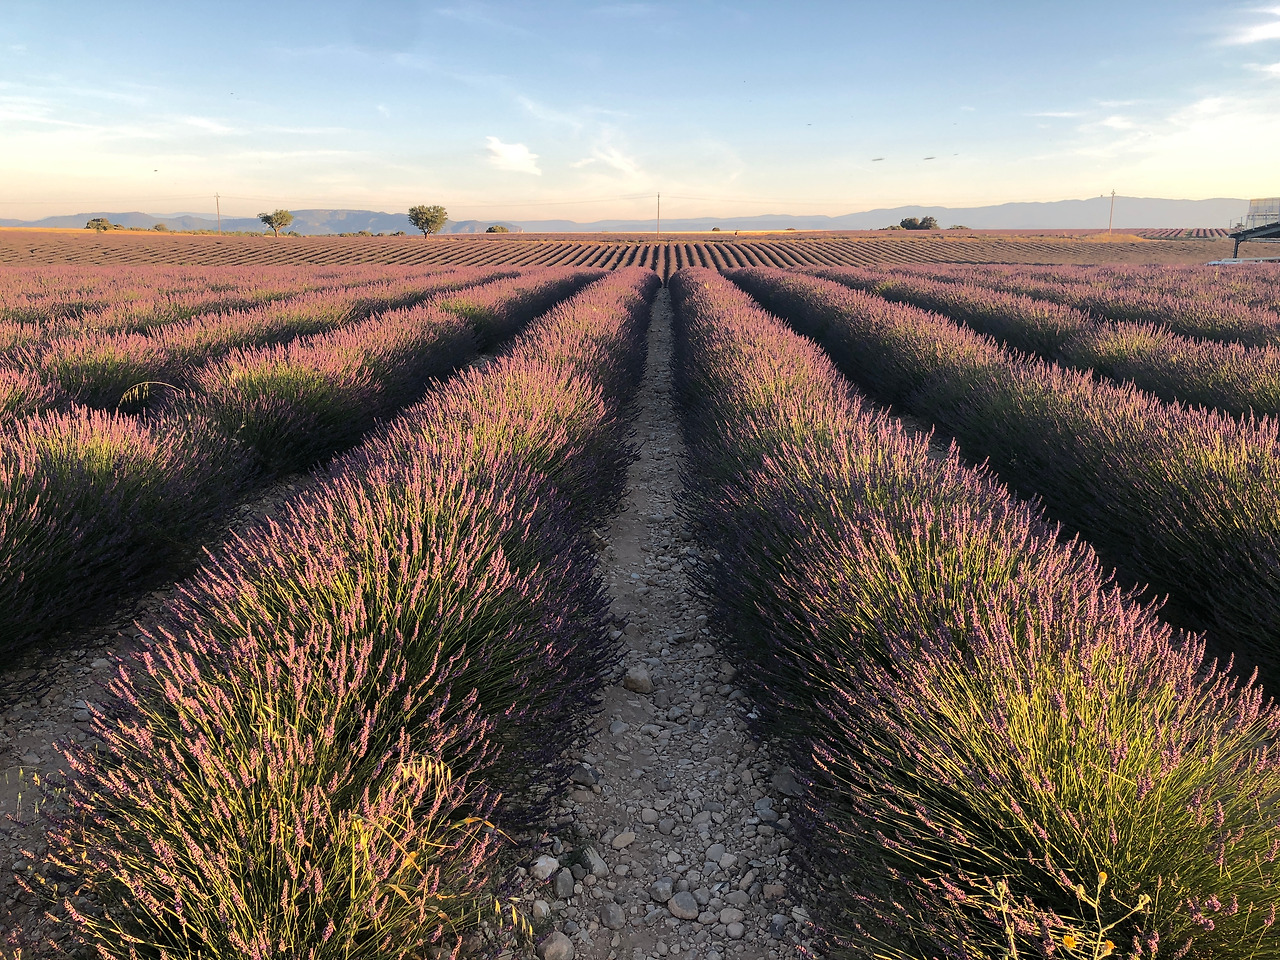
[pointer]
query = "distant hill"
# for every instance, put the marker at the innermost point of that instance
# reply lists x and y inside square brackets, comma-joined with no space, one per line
[1131,212]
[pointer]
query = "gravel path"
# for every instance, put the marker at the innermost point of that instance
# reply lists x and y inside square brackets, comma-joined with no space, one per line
[675,841]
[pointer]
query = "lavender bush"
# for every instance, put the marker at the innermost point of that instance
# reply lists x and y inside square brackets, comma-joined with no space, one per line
[92,504]
[1177,497]
[1005,754]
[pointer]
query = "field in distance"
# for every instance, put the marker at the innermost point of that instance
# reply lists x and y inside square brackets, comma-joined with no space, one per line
[664,254]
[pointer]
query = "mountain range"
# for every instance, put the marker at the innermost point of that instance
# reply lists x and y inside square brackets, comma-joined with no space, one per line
[1130,212]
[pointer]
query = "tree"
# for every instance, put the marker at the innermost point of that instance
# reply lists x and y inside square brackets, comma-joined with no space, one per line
[277,221]
[909,223]
[715,229]
[497,228]
[98,223]
[928,223]
[428,219]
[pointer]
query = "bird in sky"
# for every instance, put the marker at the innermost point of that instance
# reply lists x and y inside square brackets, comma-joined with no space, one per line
[876,159]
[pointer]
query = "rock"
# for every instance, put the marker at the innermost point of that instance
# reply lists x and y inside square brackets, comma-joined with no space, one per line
[727,862]
[544,867]
[595,862]
[556,947]
[564,884]
[666,825]
[541,909]
[784,781]
[649,815]
[738,898]
[638,680]
[618,727]
[731,915]
[623,840]
[778,926]
[584,775]
[715,852]
[612,916]
[735,931]
[683,906]
[661,890]
[774,891]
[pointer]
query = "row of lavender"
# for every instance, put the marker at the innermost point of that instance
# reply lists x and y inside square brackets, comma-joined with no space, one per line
[1181,498]
[1232,377]
[95,504]
[1005,754]
[375,685]
[1240,304]
[126,297]
[38,303]
[101,368]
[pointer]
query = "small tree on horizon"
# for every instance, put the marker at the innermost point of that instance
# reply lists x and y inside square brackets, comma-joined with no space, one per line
[497,228]
[428,219]
[98,223]
[277,220]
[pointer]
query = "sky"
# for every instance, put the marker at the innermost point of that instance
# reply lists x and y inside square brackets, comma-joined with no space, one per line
[587,110]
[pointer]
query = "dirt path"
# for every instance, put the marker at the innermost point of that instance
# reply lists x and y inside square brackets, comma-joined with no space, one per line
[675,841]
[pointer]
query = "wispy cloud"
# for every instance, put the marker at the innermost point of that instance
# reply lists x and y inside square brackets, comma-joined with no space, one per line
[613,158]
[514,157]
[548,114]
[1055,113]
[1259,32]
[1271,69]
[1117,123]
[209,125]
[478,15]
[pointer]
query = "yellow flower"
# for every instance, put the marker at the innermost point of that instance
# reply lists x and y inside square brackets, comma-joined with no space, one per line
[1109,948]
[1102,877]
[1069,942]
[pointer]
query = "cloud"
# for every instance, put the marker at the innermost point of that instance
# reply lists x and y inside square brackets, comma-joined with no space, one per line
[610,156]
[1261,31]
[208,125]
[549,114]
[1055,113]
[515,157]
[1118,123]
[1272,70]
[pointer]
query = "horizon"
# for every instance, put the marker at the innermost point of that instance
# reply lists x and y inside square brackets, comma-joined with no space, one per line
[586,111]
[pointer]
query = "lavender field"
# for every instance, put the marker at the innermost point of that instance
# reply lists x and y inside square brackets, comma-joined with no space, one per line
[989,557]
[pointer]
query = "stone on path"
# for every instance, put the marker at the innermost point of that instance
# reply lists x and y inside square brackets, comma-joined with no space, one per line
[638,680]
[683,906]
[556,947]
[544,867]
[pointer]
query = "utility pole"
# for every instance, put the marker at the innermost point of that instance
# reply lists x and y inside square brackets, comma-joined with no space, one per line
[1111,219]
[217,199]
[659,233]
